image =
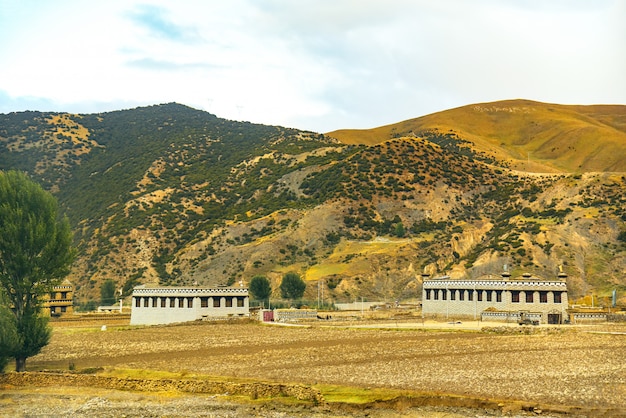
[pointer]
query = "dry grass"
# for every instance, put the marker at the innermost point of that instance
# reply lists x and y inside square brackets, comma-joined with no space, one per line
[558,137]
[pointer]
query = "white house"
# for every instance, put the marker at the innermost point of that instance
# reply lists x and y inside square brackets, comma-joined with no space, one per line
[166,305]
[497,297]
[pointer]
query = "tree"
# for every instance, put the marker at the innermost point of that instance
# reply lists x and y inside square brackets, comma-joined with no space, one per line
[35,255]
[260,288]
[9,339]
[292,286]
[107,292]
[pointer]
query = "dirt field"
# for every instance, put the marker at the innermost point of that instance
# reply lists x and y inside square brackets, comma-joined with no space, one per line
[569,369]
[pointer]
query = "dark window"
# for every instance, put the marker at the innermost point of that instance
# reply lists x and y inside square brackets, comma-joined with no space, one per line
[146,302]
[489,295]
[163,302]
[154,302]
[216,302]
[137,302]
[204,302]
[240,302]
[63,308]
[181,302]
[229,302]
[480,295]
[172,302]
[64,295]
[530,296]
[470,295]
[453,294]
[557,297]
[543,297]
[461,294]
[498,295]
[190,302]
[436,294]
[444,294]
[427,294]
[515,296]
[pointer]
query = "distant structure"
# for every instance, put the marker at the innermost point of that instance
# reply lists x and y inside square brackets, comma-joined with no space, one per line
[166,305]
[497,298]
[60,301]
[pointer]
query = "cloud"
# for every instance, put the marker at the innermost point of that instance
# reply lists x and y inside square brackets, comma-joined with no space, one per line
[154,19]
[313,64]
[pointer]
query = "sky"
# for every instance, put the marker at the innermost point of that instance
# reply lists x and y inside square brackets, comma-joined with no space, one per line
[318,65]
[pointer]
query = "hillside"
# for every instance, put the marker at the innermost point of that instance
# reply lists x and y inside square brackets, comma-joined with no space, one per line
[172,195]
[529,136]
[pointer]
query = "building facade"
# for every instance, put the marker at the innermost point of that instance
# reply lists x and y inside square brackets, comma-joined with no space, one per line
[497,298]
[166,305]
[60,301]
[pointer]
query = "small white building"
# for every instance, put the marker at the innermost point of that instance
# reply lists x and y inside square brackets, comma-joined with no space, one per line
[167,305]
[497,298]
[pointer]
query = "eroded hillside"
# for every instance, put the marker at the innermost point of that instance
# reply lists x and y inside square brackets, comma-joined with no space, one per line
[168,194]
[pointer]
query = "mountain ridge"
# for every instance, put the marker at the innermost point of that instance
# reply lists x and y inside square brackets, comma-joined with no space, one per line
[557,136]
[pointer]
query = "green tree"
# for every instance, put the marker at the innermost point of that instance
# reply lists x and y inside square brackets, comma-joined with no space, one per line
[107,292]
[399,230]
[260,288]
[292,286]
[35,255]
[9,339]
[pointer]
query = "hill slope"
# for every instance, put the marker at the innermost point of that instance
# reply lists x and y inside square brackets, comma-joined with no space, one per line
[531,136]
[172,195]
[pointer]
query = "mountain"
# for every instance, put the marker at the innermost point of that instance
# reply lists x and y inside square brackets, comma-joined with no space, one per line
[173,195]
[528,136]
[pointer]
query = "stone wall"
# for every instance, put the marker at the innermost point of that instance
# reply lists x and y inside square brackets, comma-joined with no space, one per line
[252,389]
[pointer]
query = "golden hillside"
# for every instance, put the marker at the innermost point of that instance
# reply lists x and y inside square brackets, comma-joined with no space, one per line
[530,136]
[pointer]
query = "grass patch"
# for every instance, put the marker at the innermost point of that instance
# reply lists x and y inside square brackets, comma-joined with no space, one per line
[358,395]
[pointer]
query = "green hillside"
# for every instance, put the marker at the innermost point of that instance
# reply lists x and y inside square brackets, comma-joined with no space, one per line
[172,195]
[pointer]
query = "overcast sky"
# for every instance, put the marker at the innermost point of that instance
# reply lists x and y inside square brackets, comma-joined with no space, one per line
[311,64]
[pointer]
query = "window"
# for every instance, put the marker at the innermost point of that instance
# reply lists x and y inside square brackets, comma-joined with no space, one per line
[557,297]
[154,302]
[240,302]
[64,295]
[216,302]
[436,294]
[444,294]
[453,294]
[146,302]
[181,302]
[63,308]
[204,302]
[480,295]
[427,294]
[229,302]
[163,302]
[489,295]
[190,302]
[172,302]
[498,295]
[543,297]
[515,296]
[530,296]
[137,302]
[470,295]
[461,294]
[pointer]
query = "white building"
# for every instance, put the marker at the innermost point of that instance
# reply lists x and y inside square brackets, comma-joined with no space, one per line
[166,305]
[497,298]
